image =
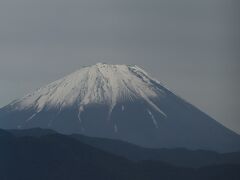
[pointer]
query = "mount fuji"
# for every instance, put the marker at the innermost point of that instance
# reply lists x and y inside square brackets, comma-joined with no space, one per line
[119,102]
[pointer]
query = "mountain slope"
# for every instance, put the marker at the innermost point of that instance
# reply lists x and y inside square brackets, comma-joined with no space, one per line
[119,102]
[59,157]
[177,157]
[56,157]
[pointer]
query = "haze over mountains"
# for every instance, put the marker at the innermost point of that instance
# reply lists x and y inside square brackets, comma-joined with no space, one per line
[119,102]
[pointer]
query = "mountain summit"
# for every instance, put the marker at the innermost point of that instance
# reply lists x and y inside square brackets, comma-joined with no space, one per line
[121,102]
[99,84]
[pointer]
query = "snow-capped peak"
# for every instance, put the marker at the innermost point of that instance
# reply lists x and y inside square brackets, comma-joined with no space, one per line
[97,84]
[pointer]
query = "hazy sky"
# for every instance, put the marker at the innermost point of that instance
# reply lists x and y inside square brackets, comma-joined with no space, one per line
[192,46]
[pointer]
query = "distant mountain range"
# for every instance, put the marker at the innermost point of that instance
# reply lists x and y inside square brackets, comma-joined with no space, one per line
[179,157]
[44,154]
[119,102]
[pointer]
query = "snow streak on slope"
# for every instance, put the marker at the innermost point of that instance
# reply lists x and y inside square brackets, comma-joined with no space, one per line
[98,84]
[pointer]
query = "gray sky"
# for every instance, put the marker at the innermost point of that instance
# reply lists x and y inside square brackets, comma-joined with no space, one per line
[192,46]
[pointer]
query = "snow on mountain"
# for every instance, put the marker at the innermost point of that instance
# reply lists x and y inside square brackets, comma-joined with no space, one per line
[97,84]
[120,102]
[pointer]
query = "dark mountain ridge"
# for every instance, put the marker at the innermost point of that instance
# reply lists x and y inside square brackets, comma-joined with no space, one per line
[177,156]
[60,157]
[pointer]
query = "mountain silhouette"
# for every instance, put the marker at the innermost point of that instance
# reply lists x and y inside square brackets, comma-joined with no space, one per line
[119,102]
